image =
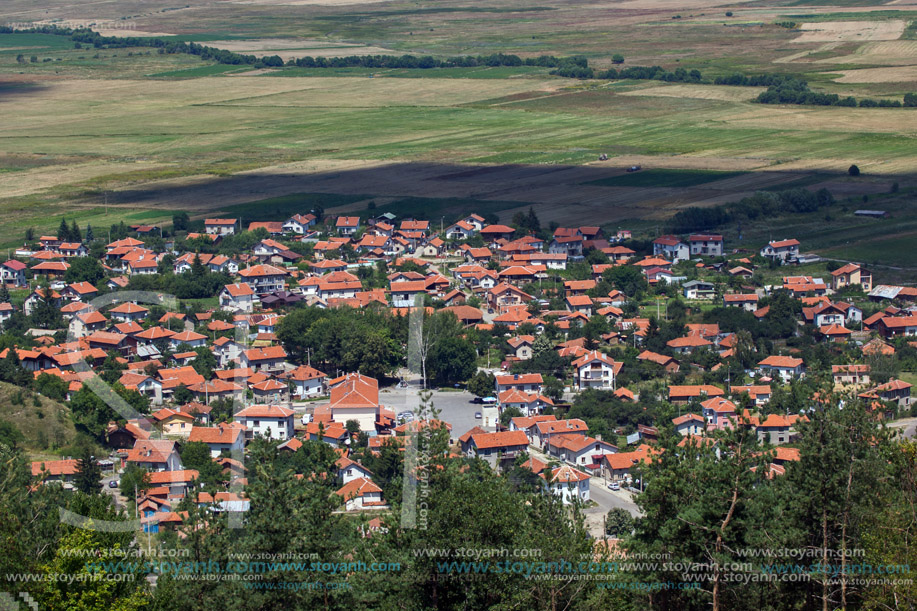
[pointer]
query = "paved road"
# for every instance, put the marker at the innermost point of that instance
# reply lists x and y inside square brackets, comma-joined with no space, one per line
[455,407]
[908,427]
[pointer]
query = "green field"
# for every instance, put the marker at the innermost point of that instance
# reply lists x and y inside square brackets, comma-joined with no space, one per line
[160,132]
[665,178]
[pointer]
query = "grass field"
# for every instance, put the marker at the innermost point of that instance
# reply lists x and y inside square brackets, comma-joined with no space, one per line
[153,133]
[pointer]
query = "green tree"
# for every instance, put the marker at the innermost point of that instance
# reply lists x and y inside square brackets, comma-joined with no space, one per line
[196,455]
[75,234]
[853,170]
[4,293]
[482,384]
[53,387]
[88,478]
[831,495]
[63,231]
[180,221]
[90,235]
[134,479]
[508,413]
[84,269]
[182,395]
[83,592]
[205,361]
[10,436]
[699,506]
[452,360]
[618,523]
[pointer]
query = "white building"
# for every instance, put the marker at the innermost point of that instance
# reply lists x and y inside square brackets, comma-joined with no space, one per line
[596,370]
[568,483]
[271,421]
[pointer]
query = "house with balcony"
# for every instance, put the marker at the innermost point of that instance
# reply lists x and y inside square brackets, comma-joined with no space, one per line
[781,251]
[706,245]
[269,421]
[596,370]
[671,248]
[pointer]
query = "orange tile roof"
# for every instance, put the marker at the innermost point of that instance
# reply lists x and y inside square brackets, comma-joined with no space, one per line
[502,439]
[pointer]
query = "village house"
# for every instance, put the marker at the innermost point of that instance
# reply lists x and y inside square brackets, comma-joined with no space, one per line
[567,483]
[706,245]
[746,301]
[777,429]
[269,421]
[596,370]
[299,224]
[220,227]
[504,445]
[782,251]
[850,375]
[221,438]
[529,404]
[786,367]
[689,424]
[698,289]
[851,274]
[361,493]
[579,450]
[347,225]
[525,382]
[671,248]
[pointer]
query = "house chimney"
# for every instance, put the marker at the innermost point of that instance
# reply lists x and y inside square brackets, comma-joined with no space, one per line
[598,438]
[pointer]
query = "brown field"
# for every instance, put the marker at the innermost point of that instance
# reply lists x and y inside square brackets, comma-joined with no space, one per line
[846,31]
[898,74]
[701,92]
[287,48]
[889,53]
[803,54]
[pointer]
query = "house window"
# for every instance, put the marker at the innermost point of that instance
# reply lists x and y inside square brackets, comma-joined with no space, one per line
[256,423]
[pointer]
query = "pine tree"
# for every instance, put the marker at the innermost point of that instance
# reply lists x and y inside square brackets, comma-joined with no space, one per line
[89,474]
[4,293]
[63,232]
[90,237]
[75,234]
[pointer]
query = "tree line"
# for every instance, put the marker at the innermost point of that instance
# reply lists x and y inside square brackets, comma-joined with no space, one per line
[796,91]
[761,204]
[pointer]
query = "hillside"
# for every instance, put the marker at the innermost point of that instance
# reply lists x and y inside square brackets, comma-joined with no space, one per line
[46,426]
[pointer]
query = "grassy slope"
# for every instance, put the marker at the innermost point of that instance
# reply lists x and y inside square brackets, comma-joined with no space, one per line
[45,428]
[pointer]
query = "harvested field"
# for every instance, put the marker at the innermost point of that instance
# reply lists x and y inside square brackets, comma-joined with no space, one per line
[847,31]
[294,48]
[305,2]
[829,119]
[788,59]
[898,74]
[345,92]
[889,53]
[701,92]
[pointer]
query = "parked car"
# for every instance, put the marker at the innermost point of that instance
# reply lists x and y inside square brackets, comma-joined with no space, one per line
[405,416]
[477,400]
[113,483]
[614,486]
[478,416]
